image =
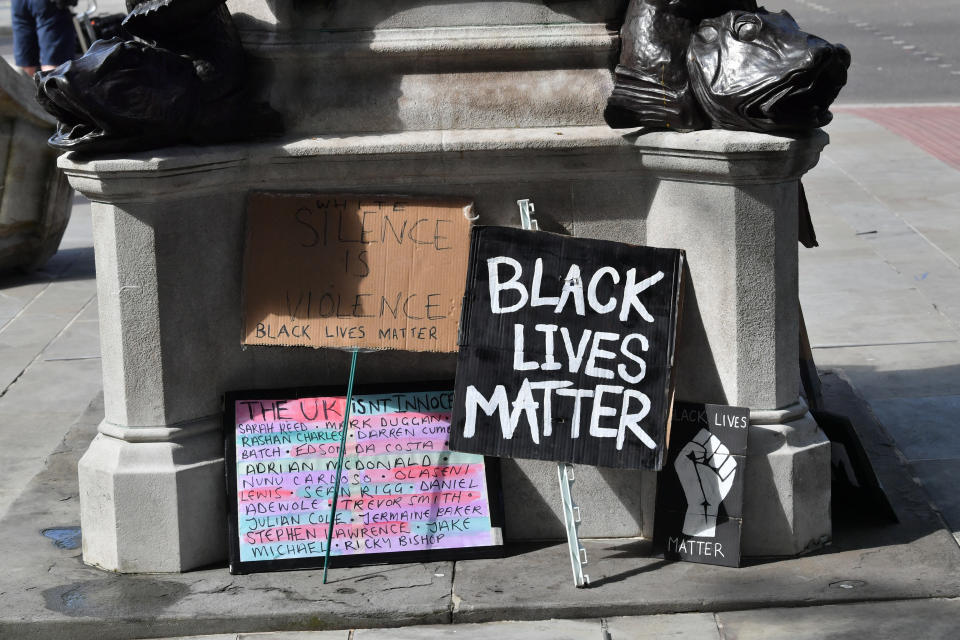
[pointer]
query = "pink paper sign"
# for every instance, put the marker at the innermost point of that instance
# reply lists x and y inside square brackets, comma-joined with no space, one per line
[402,489]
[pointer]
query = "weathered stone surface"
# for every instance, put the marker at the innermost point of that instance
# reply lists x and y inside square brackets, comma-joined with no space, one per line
[169,276]
[539,630]
[161,483]
[34,194]
[493,101]
[701,626]
[787,491]
[408,65]
[418,14]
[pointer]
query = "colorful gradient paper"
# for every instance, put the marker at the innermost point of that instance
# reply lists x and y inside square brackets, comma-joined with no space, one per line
[401,488]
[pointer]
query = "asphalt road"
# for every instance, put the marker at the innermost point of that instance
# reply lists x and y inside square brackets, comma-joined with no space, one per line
[906,51]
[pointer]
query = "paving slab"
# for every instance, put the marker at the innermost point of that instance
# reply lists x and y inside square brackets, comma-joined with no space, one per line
[27,335]
[295,635]
[874,317]
[55,386]
[26,439]
[902,203]
[930,272]
[696,626]
[940,479]
[678,626]
[537,630]
[928,619]
[922,427]
[883,564]
[49,354]
[16,291]
[80,340]
[855,270]
[899,370]
[69,264]
[41,310]
[35,414]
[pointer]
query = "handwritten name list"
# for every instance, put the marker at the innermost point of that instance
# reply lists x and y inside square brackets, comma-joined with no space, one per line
[401,488]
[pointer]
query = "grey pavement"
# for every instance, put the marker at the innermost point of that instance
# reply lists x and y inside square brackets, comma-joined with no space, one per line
[881,295]
[880,301]
[49,354]
[879,621]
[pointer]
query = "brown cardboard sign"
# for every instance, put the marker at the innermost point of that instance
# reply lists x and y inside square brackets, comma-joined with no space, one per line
[345,271]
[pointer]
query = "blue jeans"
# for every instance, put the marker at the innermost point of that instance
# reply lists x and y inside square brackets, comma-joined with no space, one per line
[42,34]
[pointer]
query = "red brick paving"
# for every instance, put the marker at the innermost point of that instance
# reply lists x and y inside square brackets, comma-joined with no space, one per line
[935,129]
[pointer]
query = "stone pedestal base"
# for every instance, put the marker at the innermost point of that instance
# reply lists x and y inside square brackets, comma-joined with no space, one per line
[153,500]
[786,498]
[169,234]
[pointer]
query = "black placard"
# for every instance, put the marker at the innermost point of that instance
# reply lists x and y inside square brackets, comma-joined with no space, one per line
[566,349]
[700,490]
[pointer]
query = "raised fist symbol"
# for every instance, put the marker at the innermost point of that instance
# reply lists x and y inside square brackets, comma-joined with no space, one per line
[706,470]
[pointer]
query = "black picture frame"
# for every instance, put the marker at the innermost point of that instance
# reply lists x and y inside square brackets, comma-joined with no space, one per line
[238,567]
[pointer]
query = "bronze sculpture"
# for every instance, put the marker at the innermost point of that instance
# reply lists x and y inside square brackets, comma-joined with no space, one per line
[180,78]
[695,64]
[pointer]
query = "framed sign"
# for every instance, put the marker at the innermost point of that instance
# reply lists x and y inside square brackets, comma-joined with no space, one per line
[699,514]
[373,272]
[404,496]
[566,349]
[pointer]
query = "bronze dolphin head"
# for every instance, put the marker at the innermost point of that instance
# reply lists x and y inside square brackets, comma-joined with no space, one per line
[155,90]
[758,71]
[177,76]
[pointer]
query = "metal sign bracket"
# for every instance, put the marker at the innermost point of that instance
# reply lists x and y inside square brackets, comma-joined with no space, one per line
[565,473]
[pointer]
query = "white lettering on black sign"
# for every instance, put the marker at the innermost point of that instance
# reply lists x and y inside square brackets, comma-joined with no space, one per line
[566,347]
[700,491]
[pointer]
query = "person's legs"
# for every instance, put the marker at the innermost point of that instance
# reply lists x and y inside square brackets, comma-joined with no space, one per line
[55,33]
[26,48]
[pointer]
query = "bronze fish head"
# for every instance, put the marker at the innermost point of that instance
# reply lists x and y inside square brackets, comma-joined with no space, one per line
[758,71]
[119,93]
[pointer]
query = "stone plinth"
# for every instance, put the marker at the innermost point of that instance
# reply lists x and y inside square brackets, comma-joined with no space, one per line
[169,239]
[492,101]
[410,65]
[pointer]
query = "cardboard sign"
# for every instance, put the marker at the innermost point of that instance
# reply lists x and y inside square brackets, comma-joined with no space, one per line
[354,271]
[700,491]
[566,349]
[403,494]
